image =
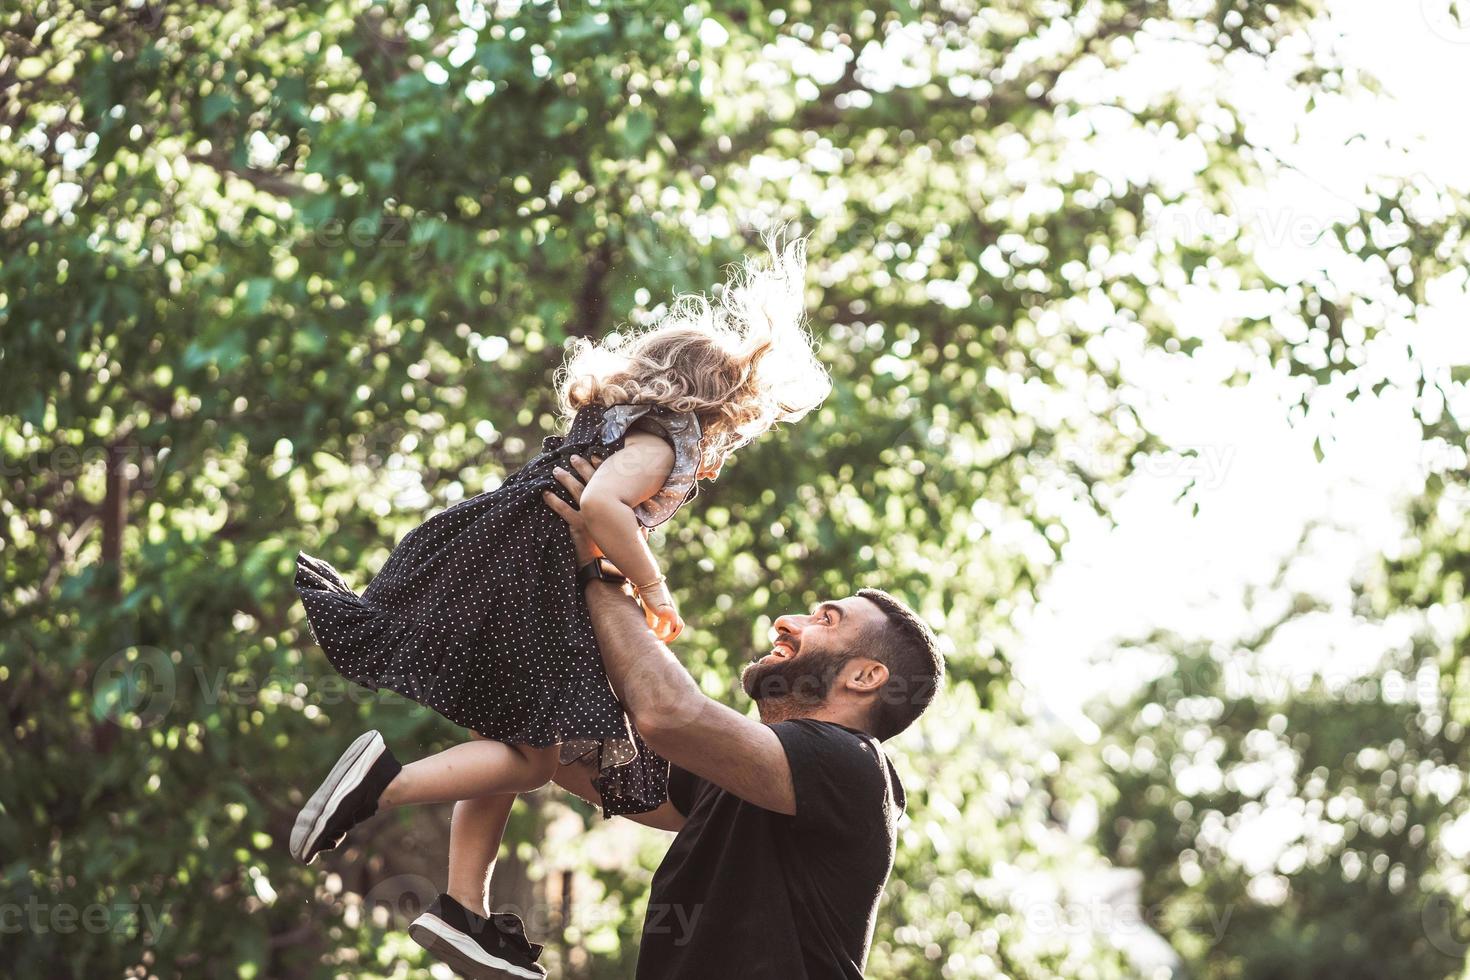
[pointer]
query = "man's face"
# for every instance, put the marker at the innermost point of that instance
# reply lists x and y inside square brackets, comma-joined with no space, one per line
[809,652]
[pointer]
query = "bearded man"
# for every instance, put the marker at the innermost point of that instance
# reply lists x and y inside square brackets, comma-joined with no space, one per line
[786,826]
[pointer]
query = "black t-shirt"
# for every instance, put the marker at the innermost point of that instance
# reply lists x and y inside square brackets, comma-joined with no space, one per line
[748,893]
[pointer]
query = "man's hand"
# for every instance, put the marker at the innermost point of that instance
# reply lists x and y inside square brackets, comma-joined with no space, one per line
[575,483]
[587,548]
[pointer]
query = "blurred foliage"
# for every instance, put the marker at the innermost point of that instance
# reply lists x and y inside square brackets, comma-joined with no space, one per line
[285,276]
[1312,822]
[1291,828]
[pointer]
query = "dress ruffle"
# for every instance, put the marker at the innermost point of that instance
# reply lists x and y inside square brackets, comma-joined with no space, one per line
[378,648]
[383,649]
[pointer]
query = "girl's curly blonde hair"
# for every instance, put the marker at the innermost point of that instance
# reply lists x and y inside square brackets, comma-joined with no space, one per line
[741,366]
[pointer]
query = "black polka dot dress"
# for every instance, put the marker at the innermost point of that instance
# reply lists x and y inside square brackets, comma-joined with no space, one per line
[476,612]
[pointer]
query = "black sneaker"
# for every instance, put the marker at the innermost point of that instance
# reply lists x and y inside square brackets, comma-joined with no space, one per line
[480,949]
[347,797]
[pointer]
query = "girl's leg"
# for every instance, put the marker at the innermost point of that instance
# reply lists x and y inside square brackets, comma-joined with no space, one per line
[474,840]
[470,771]
[475,833]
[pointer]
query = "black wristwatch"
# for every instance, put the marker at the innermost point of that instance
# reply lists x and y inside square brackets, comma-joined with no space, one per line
[594,570]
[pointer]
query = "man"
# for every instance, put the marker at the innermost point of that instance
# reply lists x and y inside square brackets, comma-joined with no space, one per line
[786,826]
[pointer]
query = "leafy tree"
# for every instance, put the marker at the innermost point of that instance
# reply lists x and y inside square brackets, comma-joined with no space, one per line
[293,276]
[1322,814]
[1294,829]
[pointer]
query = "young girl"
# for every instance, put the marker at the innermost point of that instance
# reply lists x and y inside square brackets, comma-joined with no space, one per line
[476,612]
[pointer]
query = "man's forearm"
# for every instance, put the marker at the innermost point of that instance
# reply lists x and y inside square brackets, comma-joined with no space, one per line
[693,732]
[577,780]
[655,689]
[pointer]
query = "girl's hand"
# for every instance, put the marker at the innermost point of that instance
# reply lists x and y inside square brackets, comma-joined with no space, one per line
[660,611]
[665,622]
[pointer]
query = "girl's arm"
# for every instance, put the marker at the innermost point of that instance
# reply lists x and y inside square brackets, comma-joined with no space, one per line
[624,481]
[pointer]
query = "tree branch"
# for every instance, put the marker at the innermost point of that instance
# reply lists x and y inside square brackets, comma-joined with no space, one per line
[270,183]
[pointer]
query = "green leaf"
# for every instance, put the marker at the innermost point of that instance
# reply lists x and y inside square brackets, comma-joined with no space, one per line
[215,105]
[587,28]
[562,115]
[257,294]
[496,58]
[310,340]
[637,129]
[381,172]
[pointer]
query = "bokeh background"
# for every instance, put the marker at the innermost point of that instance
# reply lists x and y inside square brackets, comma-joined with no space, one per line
[1148,325]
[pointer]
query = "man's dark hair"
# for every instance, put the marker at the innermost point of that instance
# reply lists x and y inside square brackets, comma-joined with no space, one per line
[906,645]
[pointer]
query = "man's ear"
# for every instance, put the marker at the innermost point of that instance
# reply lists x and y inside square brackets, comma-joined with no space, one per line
[866,675]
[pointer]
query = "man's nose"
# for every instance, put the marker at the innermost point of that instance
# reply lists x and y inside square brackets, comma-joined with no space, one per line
[788,624]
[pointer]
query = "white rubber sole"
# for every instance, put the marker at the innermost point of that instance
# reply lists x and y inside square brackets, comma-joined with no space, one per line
[463,954]
[351,768]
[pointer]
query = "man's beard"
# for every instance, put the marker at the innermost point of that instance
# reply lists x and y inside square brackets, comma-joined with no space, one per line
[803,681]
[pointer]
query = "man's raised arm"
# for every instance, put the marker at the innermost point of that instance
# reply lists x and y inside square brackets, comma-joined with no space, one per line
[674,717]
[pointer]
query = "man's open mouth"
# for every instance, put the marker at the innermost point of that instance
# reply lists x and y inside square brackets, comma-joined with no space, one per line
[781,651]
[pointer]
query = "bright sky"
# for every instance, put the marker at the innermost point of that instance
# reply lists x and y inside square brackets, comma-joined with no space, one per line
[1258,483]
